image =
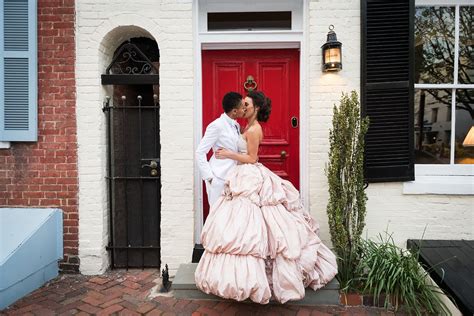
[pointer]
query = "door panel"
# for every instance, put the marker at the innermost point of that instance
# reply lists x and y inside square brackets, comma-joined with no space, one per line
[135,192]
[276,72]
[274,83]
[219,78]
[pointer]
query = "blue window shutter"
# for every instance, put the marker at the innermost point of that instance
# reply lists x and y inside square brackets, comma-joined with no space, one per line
[18,70]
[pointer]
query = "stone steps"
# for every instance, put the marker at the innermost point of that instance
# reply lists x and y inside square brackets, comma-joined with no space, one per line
[185,288]
[31,243]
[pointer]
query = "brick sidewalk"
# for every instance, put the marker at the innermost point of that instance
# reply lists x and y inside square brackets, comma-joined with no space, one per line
[135,292]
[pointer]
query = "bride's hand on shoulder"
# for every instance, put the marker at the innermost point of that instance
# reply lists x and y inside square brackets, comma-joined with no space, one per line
[223,153]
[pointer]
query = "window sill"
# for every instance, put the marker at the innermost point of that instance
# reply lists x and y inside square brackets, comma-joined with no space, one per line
[439,179]
[5,145]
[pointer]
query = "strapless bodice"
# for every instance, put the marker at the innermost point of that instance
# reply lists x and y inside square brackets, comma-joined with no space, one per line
[242,145]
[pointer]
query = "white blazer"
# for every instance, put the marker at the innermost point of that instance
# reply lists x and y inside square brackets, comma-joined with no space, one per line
[223,132]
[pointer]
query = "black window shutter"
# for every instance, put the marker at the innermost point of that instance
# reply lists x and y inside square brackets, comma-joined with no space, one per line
[387,88]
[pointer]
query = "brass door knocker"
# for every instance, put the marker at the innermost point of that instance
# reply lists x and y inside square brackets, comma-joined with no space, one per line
[250,84]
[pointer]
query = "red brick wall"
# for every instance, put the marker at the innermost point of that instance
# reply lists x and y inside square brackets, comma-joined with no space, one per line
[44,173]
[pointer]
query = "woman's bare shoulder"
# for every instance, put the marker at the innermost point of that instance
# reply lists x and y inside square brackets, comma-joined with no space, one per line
[254,131]
[255,128]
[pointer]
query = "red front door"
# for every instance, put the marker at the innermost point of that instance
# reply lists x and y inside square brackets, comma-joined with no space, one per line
[276,72]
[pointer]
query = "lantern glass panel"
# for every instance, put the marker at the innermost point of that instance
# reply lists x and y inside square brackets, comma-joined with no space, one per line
[332,55]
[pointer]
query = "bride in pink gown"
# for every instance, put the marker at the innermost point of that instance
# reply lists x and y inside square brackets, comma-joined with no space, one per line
[260,243]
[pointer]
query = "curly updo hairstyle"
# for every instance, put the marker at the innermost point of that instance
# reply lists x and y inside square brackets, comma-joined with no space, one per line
[263,103]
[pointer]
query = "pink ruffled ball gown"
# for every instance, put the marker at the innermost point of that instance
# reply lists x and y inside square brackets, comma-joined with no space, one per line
[260,243]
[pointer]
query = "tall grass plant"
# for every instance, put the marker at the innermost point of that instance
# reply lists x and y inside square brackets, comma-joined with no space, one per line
[396,274]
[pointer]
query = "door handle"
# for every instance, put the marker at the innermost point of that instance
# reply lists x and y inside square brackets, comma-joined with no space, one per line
[153,165]
[283,154]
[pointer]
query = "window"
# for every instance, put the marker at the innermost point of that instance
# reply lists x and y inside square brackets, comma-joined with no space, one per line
[249,21]
[217,19]
[444,84]
[434,115]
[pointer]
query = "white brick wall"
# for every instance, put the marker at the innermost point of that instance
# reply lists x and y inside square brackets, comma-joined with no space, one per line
[325,89]
[101,27]
[406,215]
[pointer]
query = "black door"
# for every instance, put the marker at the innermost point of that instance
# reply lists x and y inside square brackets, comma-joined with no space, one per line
[134,176]
[133,142]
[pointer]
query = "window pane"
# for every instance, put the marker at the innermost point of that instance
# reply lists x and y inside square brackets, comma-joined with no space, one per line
[248,21]
[432,126]
[464,151]
[466,45]
[434,44]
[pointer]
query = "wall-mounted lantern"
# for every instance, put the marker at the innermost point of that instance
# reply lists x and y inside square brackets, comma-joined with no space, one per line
[332,52]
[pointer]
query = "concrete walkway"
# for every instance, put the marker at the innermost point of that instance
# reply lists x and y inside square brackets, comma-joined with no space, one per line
[135,292]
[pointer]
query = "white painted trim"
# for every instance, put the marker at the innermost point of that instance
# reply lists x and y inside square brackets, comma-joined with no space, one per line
[251,37]
[456,45]
[256,45]
[442,2]
[246,40]
[5,145]
[251,33]
[453,126]
[441,179]
[444,170]
[304,109]
[198,218]
[445,185]
[443,86]
[250,5]
[453,93]
[297,15]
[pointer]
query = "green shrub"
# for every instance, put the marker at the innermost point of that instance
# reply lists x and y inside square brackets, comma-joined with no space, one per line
[345,173]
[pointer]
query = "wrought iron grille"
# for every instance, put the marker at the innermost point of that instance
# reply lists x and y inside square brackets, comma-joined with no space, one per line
[130,66]
[134,181]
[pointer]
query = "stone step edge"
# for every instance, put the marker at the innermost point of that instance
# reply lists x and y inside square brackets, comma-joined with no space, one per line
[188,286]
[311,298]
[184,279]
